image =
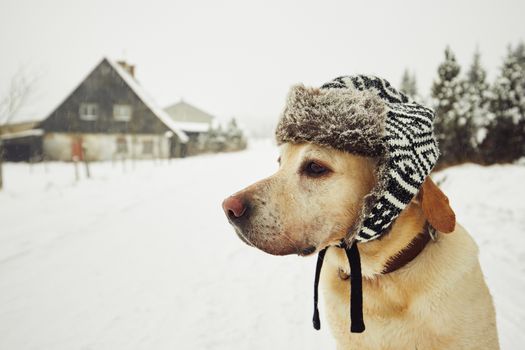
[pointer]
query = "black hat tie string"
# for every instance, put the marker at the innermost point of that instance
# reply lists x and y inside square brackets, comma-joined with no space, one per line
[357,324]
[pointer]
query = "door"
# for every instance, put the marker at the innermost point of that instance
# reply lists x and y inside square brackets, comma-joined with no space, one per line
[76,148]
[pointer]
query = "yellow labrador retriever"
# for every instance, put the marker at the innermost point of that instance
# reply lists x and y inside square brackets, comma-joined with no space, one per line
[435,299]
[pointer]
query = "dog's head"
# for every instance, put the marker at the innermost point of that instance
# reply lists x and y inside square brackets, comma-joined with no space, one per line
[313,199]
[309,203]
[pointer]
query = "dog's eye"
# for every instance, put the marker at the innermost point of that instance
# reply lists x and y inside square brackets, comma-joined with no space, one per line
[315,169]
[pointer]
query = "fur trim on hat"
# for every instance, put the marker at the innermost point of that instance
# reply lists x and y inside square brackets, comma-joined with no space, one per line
[348,120]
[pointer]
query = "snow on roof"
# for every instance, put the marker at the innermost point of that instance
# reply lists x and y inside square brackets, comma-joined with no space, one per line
[22,119]
[185,112]
[193,126]
[26,113]
[148,101]
[25,133]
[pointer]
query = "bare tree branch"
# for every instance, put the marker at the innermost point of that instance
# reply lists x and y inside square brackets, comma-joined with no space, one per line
[20,90]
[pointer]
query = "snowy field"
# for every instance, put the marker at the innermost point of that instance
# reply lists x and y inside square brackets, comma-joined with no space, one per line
[144,259]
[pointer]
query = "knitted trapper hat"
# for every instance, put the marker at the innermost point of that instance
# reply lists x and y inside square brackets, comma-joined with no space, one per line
[366,116]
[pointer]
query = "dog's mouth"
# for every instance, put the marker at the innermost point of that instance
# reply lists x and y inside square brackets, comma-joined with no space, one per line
[239,234]
[276,249]
[307,251]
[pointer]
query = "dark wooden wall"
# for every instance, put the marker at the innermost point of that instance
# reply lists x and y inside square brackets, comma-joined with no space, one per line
[104,87]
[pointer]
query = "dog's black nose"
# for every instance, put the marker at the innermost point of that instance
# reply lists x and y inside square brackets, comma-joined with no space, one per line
[234,207]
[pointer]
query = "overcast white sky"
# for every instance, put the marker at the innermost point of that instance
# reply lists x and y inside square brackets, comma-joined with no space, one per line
[238,58]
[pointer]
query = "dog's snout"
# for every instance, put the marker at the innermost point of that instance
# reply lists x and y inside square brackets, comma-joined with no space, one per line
[234,207]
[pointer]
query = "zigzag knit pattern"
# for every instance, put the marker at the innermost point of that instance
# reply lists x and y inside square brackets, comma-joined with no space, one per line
[412,151]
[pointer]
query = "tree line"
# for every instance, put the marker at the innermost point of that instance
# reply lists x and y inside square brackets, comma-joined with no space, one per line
[477,121]
[224,139]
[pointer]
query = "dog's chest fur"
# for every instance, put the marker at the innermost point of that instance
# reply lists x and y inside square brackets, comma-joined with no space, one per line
[438,301]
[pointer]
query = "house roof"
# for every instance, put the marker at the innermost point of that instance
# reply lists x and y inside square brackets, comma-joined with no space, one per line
[136,88]
[189,118]
[148,101]
[20,118]
[193,126]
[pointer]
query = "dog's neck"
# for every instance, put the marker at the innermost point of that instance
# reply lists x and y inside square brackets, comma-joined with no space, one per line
[376,254]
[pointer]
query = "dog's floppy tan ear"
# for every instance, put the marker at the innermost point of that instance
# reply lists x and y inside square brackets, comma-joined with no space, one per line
[436,208]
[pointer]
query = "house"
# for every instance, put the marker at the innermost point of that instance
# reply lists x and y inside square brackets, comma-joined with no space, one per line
[107,116]
[195,122]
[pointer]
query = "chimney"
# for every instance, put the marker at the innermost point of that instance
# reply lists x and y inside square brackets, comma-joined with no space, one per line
[130,68]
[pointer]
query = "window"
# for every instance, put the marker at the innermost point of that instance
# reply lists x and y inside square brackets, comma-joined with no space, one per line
[88,111]
[122,112]
[147,147]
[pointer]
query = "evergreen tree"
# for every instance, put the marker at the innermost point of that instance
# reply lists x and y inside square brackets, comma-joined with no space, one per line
[232,130]
[408,84]
[505,138]
[520,57]
[446,92]
[472,111]
[476,77]
[519,52]
[234,135]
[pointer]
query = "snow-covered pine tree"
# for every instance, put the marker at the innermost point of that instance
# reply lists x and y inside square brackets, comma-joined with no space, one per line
[446,91]
[472,112]
[520,57]
[408,84]
[476,79]
[233,135]
[519,52]
[232,130]
[505,138]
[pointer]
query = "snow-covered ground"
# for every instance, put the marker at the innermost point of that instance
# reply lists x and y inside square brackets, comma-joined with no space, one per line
[144,259]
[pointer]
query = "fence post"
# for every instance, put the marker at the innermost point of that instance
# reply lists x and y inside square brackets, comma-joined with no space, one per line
[86,163]
[75,164]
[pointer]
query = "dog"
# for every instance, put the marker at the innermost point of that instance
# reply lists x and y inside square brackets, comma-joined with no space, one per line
[437,300]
